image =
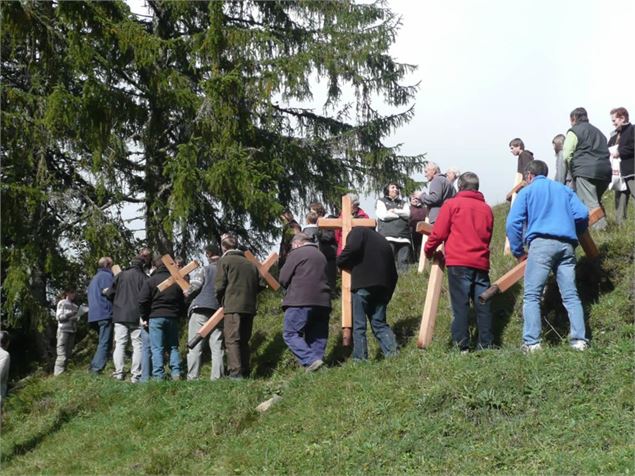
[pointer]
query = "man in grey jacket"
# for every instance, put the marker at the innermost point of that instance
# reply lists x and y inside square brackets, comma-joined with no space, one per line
[439,190]
[307,302]
[201,309]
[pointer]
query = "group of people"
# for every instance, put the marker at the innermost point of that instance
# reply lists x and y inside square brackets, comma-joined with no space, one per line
[543,226]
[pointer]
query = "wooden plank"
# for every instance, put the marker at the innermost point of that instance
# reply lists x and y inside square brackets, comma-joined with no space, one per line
[329,223]
[425,228]
[347,301]
[505,282]
[588,245]
[206,328]
[433,294]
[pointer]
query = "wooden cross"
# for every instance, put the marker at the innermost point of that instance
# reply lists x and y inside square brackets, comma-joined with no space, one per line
[214,320]
[517,272]
[433,293]
[263,268]
[206,328]
[176,274]
[346,222]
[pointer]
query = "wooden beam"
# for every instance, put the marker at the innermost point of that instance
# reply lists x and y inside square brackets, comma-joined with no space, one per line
[425,229]
[176,274]
[433,294]
[206,328]
[517,272]
[263,268]
[346,222]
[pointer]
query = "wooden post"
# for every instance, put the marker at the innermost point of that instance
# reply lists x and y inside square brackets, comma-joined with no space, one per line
[429,316]
[517,272]
[176,274]
[346,222]
[208,327]
[263,268]
[422,255]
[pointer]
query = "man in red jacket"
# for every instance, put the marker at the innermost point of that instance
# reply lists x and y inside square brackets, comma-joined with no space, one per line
[465,225]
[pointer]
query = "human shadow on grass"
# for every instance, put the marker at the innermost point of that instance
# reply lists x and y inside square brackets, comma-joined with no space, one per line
[592,281]
[267,360]
[63,417]
[502,306]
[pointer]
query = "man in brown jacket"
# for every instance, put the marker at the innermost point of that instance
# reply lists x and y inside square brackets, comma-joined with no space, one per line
[237,286]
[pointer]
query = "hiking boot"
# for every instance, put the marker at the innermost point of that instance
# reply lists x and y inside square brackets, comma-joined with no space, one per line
[579,345]
[530,348]
[315,365]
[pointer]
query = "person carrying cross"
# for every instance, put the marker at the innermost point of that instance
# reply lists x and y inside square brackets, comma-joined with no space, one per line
[465,224]
[161,311]
[237,286]
[548,216]
[307,302]
[203,305]
[370,259]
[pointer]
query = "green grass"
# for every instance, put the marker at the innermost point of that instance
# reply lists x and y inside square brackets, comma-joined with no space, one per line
[433,411]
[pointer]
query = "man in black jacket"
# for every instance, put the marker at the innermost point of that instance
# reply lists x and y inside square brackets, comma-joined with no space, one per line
[623,140]
[125,315]
[307,302]
[161,311]
[373,279]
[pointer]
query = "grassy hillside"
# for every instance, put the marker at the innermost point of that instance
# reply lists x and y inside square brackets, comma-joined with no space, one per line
[557,411]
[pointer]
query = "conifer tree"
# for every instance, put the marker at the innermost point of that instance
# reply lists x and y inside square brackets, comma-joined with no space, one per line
[195,114]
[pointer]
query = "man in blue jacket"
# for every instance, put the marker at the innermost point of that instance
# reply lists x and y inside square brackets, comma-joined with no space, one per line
[100,311]
[554,217]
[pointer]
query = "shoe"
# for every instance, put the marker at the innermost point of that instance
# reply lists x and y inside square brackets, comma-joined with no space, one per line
[579,345]
[118,377]
[465,351]
[530,348]
[315,365]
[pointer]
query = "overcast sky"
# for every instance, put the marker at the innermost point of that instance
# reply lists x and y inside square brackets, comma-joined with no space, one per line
[492,70]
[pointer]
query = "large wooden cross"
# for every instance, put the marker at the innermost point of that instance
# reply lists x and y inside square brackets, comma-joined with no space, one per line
[518,272]
[214,320]
[346,222]
[176,275]
[263,268]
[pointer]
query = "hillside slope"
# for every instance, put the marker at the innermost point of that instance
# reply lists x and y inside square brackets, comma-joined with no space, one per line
[557,411]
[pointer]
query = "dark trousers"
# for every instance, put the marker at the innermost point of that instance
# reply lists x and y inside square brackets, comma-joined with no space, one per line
[401,252]
[104,327]
[467,284]
[306,330]
[237,329]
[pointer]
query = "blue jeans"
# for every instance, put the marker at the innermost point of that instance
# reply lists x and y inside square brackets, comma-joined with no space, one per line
[371,302]
[146,359]
[545,255]
[467,284]
[164,328]
[306,330]
[104,327]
